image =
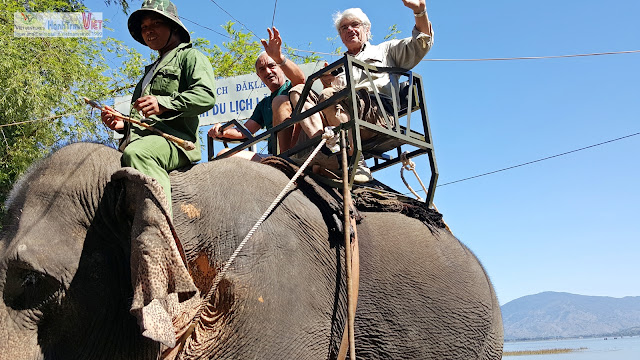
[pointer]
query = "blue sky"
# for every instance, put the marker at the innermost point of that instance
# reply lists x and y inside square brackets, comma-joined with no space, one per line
[566,224]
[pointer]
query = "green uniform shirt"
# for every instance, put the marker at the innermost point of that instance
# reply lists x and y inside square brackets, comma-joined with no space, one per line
[183,82]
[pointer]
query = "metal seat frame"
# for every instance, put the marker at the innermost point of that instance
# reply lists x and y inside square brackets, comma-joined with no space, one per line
[385,139]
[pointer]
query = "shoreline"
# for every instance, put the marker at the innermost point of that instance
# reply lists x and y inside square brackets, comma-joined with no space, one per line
[604,337]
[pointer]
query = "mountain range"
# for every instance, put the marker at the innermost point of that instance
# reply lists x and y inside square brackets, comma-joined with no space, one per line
[563,315]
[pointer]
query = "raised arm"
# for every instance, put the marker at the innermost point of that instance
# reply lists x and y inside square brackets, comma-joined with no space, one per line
[419,8]
[273,47]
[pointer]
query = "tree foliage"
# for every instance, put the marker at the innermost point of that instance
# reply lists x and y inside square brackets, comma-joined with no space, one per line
[393,32]
[43,81]
[238,55]
[124,4]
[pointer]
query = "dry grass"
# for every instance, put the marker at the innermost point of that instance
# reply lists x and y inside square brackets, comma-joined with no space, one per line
[541,352]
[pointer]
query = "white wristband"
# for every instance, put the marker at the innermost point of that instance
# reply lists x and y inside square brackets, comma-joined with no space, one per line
[284,60]
[420,14]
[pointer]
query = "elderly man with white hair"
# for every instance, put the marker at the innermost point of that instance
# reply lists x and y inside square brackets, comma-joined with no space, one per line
[354,29]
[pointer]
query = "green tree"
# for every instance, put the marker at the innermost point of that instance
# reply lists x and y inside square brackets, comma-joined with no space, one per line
[236,56]
[43,81]
[124,4]
[337,49]
[393,32]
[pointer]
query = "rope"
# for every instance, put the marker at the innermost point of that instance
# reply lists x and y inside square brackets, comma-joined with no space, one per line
[332,142]
[410,165]
[196,319]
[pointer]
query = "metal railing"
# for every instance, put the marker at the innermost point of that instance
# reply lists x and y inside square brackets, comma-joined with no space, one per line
[408,99]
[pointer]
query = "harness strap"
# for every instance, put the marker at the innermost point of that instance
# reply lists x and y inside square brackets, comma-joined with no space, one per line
[355,272]
[196,319]
[352,281]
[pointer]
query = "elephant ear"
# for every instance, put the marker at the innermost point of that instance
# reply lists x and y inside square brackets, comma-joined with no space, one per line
[159,273]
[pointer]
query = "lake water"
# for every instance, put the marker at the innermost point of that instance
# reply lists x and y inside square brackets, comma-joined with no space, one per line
[625,348]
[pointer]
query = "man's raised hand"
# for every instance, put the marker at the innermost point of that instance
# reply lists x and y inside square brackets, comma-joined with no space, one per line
[273,47]
[417,6]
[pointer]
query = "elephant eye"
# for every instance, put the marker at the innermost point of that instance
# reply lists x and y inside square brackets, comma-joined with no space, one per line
[28,289]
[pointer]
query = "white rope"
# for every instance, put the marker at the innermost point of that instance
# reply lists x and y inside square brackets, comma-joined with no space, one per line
[328,134]
[332,141]
[410,165]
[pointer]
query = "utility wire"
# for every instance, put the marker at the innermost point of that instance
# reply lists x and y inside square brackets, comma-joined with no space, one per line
[539,160]
[273,19]
[478,59]
[41,119]
[239,22]
[501,59]
[52,117]
[208,28]
[540,57]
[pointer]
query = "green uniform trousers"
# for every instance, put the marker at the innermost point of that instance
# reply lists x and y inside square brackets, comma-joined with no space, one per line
[155,156]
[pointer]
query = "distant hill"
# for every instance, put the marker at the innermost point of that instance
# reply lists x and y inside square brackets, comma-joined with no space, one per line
[560,315]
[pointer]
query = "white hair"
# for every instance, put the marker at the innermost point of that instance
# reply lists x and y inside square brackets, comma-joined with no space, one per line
[258,58]
[353,13]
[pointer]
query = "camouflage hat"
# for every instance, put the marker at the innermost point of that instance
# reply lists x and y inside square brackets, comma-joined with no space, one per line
[163,7]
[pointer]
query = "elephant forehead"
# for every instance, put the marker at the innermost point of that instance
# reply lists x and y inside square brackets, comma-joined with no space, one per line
[54,257]
[47,238]
[63,181]
[50,212]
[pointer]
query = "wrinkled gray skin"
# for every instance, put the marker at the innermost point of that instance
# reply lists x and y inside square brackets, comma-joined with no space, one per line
[65,280]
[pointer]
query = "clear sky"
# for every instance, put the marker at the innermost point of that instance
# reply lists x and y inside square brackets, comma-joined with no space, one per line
[567,224]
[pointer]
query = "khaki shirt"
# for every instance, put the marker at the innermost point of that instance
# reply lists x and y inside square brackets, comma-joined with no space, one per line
[404,53]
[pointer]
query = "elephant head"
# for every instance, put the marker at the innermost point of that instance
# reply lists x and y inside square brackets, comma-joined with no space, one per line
[64,252]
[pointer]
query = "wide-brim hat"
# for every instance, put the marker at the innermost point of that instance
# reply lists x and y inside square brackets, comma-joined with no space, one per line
[163,7]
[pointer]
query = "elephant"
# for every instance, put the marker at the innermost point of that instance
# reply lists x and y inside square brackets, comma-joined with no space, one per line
[66,288]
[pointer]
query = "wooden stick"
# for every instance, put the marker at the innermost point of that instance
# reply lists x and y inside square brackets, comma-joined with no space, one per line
[185,144]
